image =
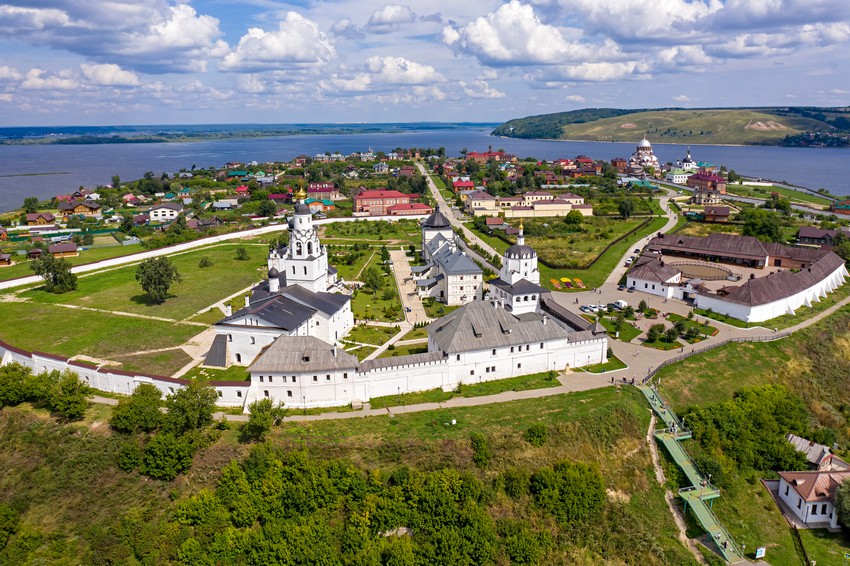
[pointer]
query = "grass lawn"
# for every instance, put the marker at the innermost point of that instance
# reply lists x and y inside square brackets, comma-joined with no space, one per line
[22,268]
[662,344]
[713,376]
[118,290]
[825,547]
[722,318]
[233,373]
[445,191]
[209,316]
[522,383]
[704,330]
[361,352]
[613,364]
[350,272]
[68,332]
[415,334]
[805,313]
[158,363]
[436,309]
[764,193]
[375,335]
[405,350]
[628,331]
[369,231]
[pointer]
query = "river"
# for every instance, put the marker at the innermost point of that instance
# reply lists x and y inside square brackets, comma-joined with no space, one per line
[48,170]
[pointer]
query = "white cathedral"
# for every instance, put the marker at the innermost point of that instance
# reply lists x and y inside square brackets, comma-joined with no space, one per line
[643,157]
[289,333]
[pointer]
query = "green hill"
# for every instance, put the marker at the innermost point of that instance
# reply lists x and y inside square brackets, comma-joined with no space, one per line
[769,126]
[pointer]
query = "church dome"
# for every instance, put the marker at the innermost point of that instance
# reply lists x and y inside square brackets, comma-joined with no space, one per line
[436,220]
[644,143]
[520,251]
[273,272]
[302,208]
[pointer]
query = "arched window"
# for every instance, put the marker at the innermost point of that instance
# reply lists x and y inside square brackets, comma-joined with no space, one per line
[253,340]
[309,248]
[298,249]
[238,358]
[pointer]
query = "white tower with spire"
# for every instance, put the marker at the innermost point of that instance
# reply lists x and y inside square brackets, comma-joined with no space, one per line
[520,262]
[306,260]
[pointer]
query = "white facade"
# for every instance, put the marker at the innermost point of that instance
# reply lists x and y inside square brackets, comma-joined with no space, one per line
[678,176]
[305,262]
[668,289]
[787,305]
[810,513]
[165,212]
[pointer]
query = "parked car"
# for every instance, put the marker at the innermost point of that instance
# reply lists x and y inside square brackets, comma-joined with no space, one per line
[584,308]
[621,287]
[631,289]
[637,250]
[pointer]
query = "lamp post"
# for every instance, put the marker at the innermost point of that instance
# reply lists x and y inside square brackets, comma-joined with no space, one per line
[398,395]
[304,404]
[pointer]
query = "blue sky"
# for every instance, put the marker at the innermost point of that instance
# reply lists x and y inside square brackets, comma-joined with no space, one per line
[70,62]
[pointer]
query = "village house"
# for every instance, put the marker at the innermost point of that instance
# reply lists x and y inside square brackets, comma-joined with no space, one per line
[716,213]
[678,176]
[79,207]
[40,218]
[813,236]
[818,456]
[810,496]
[63,249]
[5,259]
[4,235]
[381,168]
[708,187]
[621,164]
[484,157]
[165,212]
[481,203]
[375,203]
[323,191]
[320,205]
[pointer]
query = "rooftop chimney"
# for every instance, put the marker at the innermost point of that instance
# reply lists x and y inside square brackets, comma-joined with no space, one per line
[545,319]
[247,300]
[334,350]
[228,310]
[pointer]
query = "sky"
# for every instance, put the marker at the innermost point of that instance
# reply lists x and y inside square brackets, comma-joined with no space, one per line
[112,62]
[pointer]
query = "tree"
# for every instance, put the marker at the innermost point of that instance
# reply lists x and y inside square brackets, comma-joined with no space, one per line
[619,321]
[156,276]
[654,333]
[116,182]
[56,274]
[166,455]
[642,306]
[263,416]
[574,218]
[68,396]
[373,279]
[127,223]
[15,384]
[680,326]
[671,334]
[626,207]
[190,407]
[762,224]
[242,253]
[842,503]
[30,204]
[267,208]
[138,412]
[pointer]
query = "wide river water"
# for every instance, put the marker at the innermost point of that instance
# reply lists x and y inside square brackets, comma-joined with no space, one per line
[48,170]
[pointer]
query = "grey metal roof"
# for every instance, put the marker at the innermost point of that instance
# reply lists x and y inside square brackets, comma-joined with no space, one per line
[649,268]
[217,356]
[276,310]
[302,208]
[420,268]
[456,263]
[521,287]
[520,251]
[328,303]
[480,325]
[395,361]
[552,308]
[436,220]
[301,353]
[815,453]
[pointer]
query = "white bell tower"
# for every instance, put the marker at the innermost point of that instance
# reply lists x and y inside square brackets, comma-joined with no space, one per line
[306,261]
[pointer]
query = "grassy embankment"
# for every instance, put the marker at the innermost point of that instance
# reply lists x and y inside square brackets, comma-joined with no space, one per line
[813,364]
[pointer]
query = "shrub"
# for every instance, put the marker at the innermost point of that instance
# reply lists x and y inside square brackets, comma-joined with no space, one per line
[8,524]
[138,412]
[572,492]
[481,454]
[167,455]
[130,455]
[68,396]
[537,434]
[516,481]
[205,262]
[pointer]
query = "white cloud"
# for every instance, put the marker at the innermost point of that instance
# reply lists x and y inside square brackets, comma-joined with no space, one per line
[398,70]
[37,79]
[595,72]
[388,17]
[9,73]
[682,98]
[346,28]
[575,98]
[480,89]
[514,35]
[297,43]
[108,74]
[250,84]
[21,19]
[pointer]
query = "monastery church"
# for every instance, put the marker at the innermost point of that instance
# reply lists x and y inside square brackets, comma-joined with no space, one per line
[290,331]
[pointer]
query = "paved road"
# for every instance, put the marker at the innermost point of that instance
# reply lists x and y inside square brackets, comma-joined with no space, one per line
[407,288]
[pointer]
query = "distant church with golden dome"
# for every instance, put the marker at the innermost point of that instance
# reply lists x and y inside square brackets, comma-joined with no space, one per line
[643,158]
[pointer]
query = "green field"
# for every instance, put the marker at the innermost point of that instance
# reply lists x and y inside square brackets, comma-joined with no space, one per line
[404,350]
[628,331]
[22,269]
[233,373]
[803,197]
[374,335]
[613,364]
[68,332]
[692,126]
[165,363]
[118,290]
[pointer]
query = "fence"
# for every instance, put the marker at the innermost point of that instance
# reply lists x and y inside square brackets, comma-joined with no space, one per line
[685,356]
